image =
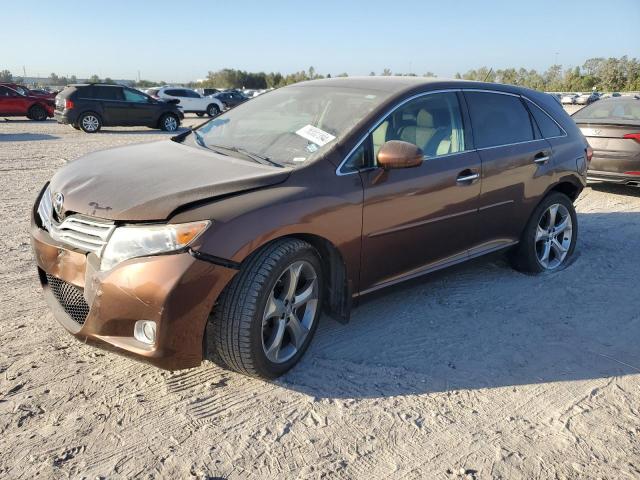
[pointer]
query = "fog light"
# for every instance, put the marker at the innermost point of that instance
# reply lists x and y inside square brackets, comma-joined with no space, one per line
[145,331]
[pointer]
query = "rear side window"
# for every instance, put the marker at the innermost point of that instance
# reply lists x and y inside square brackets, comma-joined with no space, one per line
[548,127]
[174,93]
[107,93]
[498,119]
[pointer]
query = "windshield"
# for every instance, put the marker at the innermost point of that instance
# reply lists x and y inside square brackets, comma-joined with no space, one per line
[614,111]
[293,124]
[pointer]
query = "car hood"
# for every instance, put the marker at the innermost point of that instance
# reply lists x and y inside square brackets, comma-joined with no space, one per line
[149,181]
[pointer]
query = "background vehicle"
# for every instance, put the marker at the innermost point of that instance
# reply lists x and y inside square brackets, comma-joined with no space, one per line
[612,128]
[15,104]
[235,236]
[191,101]
[230,98]
[205,92]
[30,91]
[587,98]
[568,99]
[88,107]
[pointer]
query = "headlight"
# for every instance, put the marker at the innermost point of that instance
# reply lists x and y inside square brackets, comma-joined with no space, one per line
[131,242]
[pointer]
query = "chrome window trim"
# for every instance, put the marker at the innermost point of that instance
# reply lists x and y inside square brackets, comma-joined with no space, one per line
[564,132]
[339,171]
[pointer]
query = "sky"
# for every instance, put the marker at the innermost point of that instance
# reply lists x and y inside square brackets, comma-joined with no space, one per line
[183,40]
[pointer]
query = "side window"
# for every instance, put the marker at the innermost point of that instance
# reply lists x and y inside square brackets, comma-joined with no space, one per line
[133,96]
[357,160]
[548,127]
[107,93]
[433,122]
[173,92]
[193,94]
[4,92]
[498,119]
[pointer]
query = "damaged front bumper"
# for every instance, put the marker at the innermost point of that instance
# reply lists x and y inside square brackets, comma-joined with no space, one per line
[176,291]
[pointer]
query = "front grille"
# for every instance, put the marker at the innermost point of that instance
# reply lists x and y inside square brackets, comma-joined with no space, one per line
[70,297]
[79,231]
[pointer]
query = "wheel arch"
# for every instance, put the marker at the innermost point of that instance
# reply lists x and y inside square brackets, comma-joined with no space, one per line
[337,294]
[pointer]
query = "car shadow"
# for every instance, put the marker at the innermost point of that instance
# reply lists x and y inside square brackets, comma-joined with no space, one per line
[25,120]
[25,137]
[615,189]
[147,131]
[484,325]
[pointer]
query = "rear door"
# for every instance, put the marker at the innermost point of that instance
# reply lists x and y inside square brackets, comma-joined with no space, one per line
[418,218]
[142,109]
[516,165]
[115,109]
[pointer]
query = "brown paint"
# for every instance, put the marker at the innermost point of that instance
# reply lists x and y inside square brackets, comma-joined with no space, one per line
[386,225]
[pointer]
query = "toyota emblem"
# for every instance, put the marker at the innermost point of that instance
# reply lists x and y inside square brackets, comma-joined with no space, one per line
[58,201]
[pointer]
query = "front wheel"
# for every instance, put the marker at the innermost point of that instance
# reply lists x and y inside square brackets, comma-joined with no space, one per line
[169,122]
[549,239]
[213,110]
[265,318]
[37,113]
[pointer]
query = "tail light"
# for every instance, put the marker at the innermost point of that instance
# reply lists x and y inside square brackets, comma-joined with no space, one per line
[589,153]
[632,173]
[68,104]
[633,136]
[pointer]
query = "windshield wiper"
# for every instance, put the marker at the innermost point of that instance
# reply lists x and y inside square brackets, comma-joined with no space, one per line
[253,156]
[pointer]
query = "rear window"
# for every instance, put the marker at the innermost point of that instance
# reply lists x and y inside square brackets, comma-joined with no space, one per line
[548,127]
[498,119]
[610,111]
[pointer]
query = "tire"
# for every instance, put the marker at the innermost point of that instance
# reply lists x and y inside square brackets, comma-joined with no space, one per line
[90,122]
[169,122]
[550,247]
[37,113]
[213,110]
[252,312]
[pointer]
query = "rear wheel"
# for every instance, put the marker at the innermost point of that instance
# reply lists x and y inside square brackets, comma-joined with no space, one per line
[169,122]
[38,113]
[549,239]
[265,318]
[90,122]
[213,110]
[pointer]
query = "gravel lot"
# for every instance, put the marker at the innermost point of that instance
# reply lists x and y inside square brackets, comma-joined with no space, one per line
[474,372]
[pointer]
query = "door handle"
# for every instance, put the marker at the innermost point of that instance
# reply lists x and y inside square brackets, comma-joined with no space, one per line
[467,176]
[541,158]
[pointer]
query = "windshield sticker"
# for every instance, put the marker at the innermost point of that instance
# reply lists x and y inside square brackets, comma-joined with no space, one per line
[299,159]
[315,135]
[312,147]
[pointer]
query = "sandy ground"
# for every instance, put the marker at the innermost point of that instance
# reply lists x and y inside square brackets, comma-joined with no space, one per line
[475,372]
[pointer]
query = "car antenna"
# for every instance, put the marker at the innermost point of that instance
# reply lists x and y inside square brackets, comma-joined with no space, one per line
[488,73]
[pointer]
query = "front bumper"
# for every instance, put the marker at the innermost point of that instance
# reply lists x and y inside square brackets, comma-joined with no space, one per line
[176,291]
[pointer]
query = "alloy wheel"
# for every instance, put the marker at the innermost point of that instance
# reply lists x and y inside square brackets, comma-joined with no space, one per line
[554,235]
[290,312]
[90,123]
[170,123]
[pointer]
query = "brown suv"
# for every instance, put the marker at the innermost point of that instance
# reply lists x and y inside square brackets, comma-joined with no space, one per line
[228,241]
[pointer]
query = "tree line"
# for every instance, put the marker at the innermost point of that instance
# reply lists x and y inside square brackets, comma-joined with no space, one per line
[604,74]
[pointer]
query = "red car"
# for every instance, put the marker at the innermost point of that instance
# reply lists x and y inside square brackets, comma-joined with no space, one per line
[15,104]
[29,91]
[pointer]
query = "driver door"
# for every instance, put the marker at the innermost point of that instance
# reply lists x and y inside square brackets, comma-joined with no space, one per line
[416,219]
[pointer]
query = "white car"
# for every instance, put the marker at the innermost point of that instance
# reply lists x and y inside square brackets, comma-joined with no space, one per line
[568,99]
[191,101]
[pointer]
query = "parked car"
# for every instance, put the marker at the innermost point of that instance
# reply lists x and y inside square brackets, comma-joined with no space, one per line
[16,104]
[153,92]
[587,98]
[89,107]
[230,98]
[21,89]
[191,101]
[569,99]
[206,92]
[612,128]
[228,241]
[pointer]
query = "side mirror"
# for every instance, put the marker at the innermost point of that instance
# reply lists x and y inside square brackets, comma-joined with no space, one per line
[399,154]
